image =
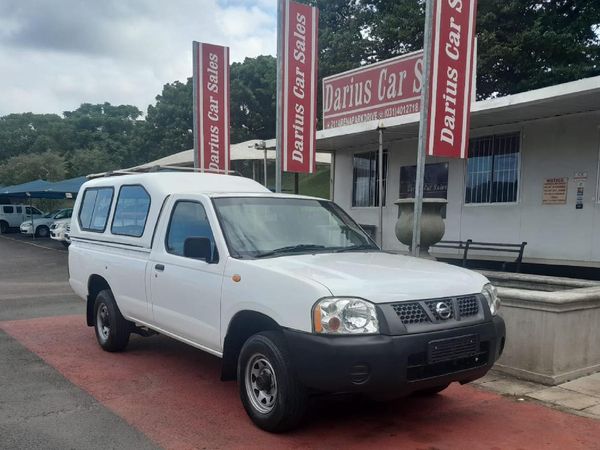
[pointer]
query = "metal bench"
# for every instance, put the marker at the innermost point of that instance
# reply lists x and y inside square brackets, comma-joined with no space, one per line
[469,244]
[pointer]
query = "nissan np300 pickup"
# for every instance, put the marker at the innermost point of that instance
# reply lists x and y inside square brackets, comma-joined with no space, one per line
[288,290]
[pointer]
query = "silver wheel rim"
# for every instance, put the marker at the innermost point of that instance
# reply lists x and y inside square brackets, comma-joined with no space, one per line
[102,322]
[261,384]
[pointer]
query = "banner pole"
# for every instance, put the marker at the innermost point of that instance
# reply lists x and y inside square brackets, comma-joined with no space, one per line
[418,205]
[195,62]
[380,185]
[278,133]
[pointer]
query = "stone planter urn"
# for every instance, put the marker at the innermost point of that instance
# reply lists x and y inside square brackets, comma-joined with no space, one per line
[432,224]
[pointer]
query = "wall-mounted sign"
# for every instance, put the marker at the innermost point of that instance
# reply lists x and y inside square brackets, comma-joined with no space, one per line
[211,107]
[555,191]
[386,89]
[580,178]
[450,77]
[298,118]
[435,183]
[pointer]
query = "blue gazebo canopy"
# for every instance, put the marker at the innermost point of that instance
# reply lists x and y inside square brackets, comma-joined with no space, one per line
[44,189]
[22,190]
[65,187]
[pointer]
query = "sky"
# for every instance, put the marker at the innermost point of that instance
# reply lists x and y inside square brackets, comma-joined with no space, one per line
[55,55]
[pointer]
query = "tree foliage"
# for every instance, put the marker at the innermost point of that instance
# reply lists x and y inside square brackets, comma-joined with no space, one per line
[253,98]
[19,169]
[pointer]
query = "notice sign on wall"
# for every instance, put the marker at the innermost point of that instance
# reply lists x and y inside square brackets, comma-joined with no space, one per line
[386,89]
[450,77]
[555,191]
[211,107]
[299,87]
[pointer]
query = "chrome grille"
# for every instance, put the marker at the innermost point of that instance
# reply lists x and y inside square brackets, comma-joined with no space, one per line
[431,304]
[410,313]
[468,306]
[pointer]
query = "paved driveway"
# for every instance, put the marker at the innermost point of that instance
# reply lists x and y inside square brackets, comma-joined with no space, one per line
[59,390]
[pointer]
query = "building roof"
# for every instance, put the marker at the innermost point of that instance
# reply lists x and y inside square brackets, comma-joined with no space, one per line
[558,100]
[249,150]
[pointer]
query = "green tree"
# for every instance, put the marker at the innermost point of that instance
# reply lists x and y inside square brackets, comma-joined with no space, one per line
[49,166]
[32,133]
[522,44]
[92,160]
[168,125]
[253,99]
[525,44]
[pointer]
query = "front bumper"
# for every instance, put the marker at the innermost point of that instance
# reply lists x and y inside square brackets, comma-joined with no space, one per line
[391,364]
[58,234]
[26,230]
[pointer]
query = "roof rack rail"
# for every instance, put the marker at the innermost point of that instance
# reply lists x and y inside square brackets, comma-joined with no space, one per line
[158,168]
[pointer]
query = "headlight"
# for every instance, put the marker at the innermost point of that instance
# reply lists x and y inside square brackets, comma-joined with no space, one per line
[491,295]
[59,226]
[345,315]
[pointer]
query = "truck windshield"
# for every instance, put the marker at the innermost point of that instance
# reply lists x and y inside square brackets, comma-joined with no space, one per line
[260,227]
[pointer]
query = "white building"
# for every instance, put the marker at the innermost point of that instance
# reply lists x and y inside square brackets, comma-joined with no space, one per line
[525,150]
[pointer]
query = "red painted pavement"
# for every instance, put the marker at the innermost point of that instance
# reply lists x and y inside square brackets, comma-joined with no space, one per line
[172,393]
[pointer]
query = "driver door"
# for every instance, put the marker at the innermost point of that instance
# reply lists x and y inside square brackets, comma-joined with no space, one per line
[186,292]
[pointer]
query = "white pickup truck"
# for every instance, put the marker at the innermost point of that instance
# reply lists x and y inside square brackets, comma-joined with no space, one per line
[288,290]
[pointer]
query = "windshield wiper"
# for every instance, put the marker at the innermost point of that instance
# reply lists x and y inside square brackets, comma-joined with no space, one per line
[290,249]
[356,247]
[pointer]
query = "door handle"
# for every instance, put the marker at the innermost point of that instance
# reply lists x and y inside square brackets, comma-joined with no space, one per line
[159,267]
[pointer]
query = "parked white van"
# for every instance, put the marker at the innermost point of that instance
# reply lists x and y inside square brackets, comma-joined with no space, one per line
[12,216]
[288,290]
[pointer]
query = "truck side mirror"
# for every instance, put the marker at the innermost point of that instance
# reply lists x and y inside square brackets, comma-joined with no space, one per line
[198,248]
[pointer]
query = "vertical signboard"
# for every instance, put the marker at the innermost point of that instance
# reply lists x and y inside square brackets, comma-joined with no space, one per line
[298,88]
[211,107]
[450,77]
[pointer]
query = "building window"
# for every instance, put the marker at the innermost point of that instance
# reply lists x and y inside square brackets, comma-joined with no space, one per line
[365,178]
[95,208]
[493,169]
[131,211]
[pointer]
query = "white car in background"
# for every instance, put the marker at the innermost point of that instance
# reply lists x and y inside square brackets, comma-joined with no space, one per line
[59,231]
[11,216]
[41,226]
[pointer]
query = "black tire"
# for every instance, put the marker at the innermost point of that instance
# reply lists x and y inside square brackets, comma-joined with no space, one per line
[66,244]
[432,391]
[42,231]
[286,409]
[3,227]
[112,329]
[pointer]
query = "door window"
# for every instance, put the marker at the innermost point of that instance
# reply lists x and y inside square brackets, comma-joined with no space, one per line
[8,209]
[19,209]
[187,220]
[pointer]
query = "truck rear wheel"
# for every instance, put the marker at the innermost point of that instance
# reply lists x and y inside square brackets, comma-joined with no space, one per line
[3,227]
[112,329]
[270,393]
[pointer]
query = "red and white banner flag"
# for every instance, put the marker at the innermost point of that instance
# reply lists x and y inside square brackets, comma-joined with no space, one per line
[450,77]
[211,107]
[298,113]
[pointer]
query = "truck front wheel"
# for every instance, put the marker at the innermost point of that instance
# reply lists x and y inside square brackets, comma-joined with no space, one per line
[112,329]
[270,393]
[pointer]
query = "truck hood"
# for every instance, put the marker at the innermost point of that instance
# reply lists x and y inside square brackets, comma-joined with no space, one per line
[378,276]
